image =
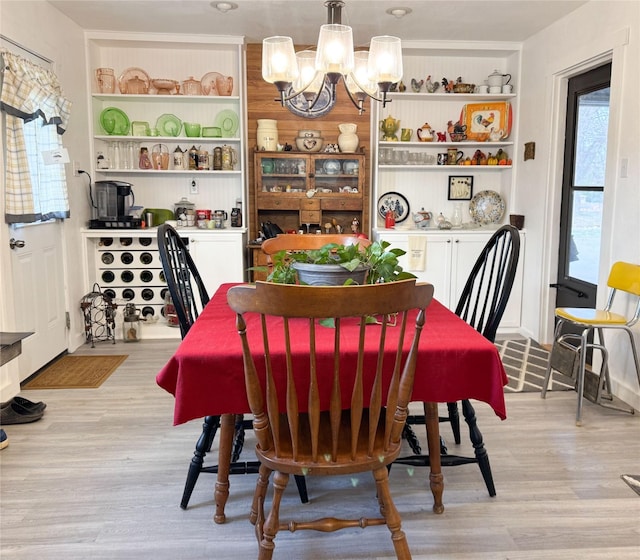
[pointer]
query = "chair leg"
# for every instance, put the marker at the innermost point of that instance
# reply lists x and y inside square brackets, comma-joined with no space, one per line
[547,375]
[203,445]
[454,419]
[238,438]
[301,483]
[478,445]
[583,365]
[272,523]
[257,507]
[391,515]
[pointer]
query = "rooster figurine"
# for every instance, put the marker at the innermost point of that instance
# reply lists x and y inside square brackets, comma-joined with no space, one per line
[430,86]
[416,85]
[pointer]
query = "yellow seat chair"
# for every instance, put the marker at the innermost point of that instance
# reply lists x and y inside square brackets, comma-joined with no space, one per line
[624,277]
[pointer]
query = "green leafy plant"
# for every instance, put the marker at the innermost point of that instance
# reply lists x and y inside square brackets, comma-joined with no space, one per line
[379,258]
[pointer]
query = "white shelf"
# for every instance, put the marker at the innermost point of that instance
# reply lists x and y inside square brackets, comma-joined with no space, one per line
[168,172]
[181,139]
[150,98]
[467,143]
[433,167]
[458,97]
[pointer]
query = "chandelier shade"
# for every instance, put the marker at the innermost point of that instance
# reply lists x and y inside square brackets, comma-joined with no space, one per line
[365,74]
[279,60]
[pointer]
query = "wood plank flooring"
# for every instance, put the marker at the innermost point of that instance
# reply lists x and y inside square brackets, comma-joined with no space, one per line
[102,474]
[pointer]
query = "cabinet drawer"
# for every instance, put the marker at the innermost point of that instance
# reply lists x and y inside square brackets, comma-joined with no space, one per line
[279,202]
[310,204]
[310,216]
[342,204]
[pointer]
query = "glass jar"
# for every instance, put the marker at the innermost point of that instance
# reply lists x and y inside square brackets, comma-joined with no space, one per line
[131,326]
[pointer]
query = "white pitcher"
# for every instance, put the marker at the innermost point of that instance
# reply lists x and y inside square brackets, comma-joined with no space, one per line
[348,140]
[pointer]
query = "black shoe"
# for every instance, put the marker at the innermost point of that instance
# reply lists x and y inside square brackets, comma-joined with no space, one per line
[4,440]
[13,413]
[29,405]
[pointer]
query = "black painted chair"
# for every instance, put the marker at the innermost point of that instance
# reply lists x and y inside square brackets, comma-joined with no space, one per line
[189,296]
[482,304]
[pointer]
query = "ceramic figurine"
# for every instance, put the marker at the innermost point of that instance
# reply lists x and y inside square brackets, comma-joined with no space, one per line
[416,85]
[430,86]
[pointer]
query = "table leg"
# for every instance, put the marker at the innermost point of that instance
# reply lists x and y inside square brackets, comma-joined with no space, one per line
[436,480]
[221,494]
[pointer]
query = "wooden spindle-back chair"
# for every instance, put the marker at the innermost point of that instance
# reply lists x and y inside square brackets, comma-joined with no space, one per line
[303,423]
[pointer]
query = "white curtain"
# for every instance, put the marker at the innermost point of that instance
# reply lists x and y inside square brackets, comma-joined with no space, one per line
[36,114]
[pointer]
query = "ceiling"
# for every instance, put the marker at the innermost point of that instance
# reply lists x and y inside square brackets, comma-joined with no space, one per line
[467,20]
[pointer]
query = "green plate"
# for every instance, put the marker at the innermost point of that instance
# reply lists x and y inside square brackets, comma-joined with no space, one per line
[168,125]
[114,121]
[228,122]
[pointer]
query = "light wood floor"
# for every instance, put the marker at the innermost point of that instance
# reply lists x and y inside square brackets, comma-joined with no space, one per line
[101,476]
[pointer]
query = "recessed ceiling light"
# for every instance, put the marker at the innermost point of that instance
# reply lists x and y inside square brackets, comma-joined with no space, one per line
[399,12]
[224,7]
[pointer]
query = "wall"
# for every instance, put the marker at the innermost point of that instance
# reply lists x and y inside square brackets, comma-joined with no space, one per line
[261,104]
[43,29]
[549,59]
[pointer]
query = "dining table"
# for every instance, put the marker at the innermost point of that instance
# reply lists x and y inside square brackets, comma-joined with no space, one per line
[206,377]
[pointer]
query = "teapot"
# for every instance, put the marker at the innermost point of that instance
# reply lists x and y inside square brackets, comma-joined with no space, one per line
[425,133]
[495,135]
[390,126]
[498,79]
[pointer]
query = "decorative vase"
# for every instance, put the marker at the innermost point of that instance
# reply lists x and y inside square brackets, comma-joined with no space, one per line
[267,135]
[348,140]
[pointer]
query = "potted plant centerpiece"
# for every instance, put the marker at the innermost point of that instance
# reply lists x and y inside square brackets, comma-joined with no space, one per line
[336,265]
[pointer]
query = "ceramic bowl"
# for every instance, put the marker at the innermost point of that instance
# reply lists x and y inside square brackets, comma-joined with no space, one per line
[192,129]
[309,144]
[309,133]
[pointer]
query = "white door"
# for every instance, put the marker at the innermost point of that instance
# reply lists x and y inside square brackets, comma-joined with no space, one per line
[38,293]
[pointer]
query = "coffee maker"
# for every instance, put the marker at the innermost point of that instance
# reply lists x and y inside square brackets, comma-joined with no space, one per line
[113,200]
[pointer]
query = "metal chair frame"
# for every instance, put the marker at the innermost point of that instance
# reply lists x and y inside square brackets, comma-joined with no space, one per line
[624,277]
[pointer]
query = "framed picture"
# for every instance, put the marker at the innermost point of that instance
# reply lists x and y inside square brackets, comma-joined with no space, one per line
[460,187]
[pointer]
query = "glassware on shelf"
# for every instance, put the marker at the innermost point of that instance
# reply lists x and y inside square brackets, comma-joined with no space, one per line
[144,162]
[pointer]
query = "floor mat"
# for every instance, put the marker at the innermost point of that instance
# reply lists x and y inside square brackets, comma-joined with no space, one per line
[75,372]
[525,362]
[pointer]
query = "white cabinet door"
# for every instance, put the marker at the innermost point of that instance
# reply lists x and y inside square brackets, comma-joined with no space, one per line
[219,258]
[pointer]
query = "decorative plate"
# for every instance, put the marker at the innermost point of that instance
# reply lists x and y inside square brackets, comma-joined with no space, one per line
[396,202]
[168,125]
[228,122]
[130,74]
[331,167]
[487,207]
[208,83]
[114,121]
[482,118]
[299,106]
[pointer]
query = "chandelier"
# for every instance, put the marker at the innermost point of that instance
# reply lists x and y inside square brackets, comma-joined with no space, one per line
[364,73]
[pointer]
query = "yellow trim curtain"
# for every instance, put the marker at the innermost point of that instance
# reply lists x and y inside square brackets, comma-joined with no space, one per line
[36,114]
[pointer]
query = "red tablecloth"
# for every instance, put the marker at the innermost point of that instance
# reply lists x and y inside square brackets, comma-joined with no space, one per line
[206,374]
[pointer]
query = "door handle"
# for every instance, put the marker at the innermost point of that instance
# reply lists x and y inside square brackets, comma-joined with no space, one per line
[579,293]
[16,243]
